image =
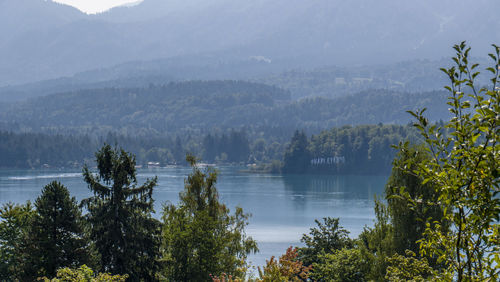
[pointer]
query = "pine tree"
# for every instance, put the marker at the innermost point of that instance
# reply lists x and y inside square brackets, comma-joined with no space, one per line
[125,234]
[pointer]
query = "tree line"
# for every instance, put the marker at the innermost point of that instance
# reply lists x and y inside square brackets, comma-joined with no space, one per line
[364,149]
[360,149]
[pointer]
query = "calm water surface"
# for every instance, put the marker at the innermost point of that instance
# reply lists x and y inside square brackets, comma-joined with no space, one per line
[283,207]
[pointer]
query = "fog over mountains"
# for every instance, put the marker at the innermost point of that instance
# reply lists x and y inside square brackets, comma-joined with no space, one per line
[44,40]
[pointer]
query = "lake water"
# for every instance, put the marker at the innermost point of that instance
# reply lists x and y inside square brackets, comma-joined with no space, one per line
[283,207]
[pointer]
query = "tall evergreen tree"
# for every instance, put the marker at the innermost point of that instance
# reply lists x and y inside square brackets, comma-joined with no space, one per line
[56,238]
[297,155]
[125,234]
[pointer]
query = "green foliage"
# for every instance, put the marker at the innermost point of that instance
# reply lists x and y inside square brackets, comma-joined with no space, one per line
[55,237]
[84,274]
[464,167]
[14,223]
[401,223]
[341,265]
[287,268]
[377,243]
[410,203]
[328,237]
[409,268]
[120,216]
[200,236]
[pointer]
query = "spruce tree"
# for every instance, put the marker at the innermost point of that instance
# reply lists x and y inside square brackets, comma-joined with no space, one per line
[120,216]
[56,237]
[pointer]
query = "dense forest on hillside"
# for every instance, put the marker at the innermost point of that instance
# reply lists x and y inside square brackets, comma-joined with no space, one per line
[198,106]
[167,108]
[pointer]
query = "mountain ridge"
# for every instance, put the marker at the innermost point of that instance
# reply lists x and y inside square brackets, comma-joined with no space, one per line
[295,33]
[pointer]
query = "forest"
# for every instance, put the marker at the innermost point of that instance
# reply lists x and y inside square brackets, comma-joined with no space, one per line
[200,106]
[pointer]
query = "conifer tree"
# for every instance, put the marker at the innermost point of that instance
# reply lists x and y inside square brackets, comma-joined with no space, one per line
[121,225]
[56,237]
[297,155]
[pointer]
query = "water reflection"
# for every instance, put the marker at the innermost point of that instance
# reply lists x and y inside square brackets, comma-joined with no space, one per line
[307,188]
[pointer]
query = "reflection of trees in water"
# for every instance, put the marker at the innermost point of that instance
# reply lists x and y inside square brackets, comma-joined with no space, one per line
[334,187]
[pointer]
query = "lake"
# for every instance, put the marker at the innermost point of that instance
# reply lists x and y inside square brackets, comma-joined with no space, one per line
[283,207]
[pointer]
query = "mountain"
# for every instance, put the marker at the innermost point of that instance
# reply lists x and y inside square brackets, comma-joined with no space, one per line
[329,81]
[202,106]
[22,16]
[57,40]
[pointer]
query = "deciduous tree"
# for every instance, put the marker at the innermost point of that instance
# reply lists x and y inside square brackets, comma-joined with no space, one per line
[14,223]
[200,236]
[328,237]
[464,168]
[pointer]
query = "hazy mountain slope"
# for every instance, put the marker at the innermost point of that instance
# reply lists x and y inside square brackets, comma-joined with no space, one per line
[19,16]
[288,32]
[168,108]
[197,105]
[329,81]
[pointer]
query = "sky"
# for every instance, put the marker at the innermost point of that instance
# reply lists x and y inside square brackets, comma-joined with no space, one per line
[95,6]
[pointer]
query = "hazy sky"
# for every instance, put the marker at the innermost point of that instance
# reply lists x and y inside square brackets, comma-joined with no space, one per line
[95,6]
